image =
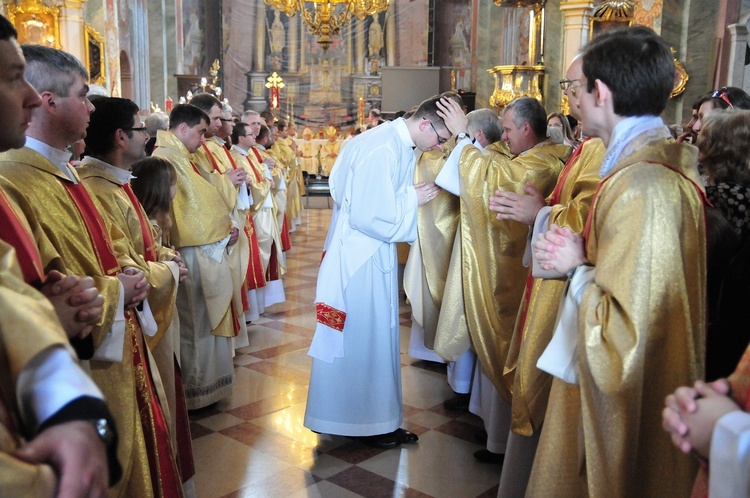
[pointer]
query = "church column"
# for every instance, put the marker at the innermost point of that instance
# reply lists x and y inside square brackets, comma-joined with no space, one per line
[737,47]
[359,47]
[260,37]
[71,28]
[292,43]
[390,35]
[576,28]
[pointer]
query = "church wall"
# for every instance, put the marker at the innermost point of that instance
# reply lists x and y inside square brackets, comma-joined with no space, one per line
[489,43]
[554,59]
[411,32]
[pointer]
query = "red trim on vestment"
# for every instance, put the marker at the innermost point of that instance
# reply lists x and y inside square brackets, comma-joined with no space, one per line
[149,246]
[15,234]
[557,192]
[211,158]
[330,316]
[95,227]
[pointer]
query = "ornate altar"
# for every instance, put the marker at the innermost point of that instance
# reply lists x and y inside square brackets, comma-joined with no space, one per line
[36,23]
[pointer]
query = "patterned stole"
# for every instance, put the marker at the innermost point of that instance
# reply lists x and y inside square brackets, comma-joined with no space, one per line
[15,234]
[95,227]
[148,239]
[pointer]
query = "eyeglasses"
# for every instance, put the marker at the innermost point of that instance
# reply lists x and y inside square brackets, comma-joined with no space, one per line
[440,139]
[226,120]
[721,94]
[140,128]
[565,84]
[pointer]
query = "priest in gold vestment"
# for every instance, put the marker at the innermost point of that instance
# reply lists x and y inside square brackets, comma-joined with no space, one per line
[492,250]
[202,229]
[570,202]
[641,318]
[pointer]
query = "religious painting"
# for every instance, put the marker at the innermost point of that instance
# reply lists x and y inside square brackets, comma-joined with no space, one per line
[36,23]
[192,36]
[94,47]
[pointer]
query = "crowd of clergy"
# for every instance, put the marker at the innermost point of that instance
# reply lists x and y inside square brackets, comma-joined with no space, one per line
[153,265]
[571,283]
[570,362]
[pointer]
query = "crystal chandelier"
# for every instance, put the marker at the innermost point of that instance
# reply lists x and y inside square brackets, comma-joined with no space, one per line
[325,18]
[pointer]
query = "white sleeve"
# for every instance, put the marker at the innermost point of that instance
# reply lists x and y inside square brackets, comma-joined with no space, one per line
[51,380]
[449,177]
[729,474]
[111,348]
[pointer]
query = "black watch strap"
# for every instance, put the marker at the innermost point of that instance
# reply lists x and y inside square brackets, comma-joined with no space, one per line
[94,411]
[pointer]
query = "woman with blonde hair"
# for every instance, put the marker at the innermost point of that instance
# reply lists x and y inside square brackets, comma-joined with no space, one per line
[560,121]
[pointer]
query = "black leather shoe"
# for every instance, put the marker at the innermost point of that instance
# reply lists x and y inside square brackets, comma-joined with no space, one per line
[486,456]
[391,439]
[458,404]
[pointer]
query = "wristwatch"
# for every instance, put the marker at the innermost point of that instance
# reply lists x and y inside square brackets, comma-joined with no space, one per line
[103,430]
[461,136]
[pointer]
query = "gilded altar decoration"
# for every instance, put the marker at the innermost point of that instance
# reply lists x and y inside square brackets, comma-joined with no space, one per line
[36,23]
[325,18]
[611,13]
[512,82]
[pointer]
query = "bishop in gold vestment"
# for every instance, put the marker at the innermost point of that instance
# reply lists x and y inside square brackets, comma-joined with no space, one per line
[641,332]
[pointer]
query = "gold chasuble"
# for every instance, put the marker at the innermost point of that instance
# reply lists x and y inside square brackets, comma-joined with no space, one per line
[437,223]
[642,325]
[288,158]
[492,250]
[61,226]
[570,202]
[200,217]
[212,167]
[121,211]
[28,326]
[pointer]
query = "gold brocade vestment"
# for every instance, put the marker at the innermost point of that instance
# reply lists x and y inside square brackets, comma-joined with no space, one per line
[28,326]
[35,185]
[492,250]
[641,333]
[530,385]
[437,223]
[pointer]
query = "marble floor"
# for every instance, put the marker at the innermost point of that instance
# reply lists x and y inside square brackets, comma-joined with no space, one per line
[253,444]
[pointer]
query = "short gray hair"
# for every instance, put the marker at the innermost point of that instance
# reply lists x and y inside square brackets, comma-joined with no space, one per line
[156,121]
[487,121]
[52,70]
[529,110]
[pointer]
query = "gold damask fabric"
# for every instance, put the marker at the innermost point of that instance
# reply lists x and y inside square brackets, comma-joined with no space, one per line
[28,325]
[437,223]
[530,385]
[199,213]
[329,152]
[259,189]
[218,179]
[492,250]
[641,330]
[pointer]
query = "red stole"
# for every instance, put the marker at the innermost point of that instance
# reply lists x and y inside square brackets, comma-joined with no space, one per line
[252,167]
[95,227]
[149,247]
[211,158]
[557,192]
[15,234]
[229,156]
[255,277]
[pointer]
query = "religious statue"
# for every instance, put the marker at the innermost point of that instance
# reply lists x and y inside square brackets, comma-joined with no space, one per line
[375,40]
[278,34]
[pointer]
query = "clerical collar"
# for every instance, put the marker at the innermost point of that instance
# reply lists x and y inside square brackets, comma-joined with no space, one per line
[403,132]
[240,150]
[56,156]
[260,147]
[123,176]
[624,133]
[220,140]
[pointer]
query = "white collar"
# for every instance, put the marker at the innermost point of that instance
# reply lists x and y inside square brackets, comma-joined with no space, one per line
[57,157]
[123,176]
[624,133]
[403,132]
[240,150]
